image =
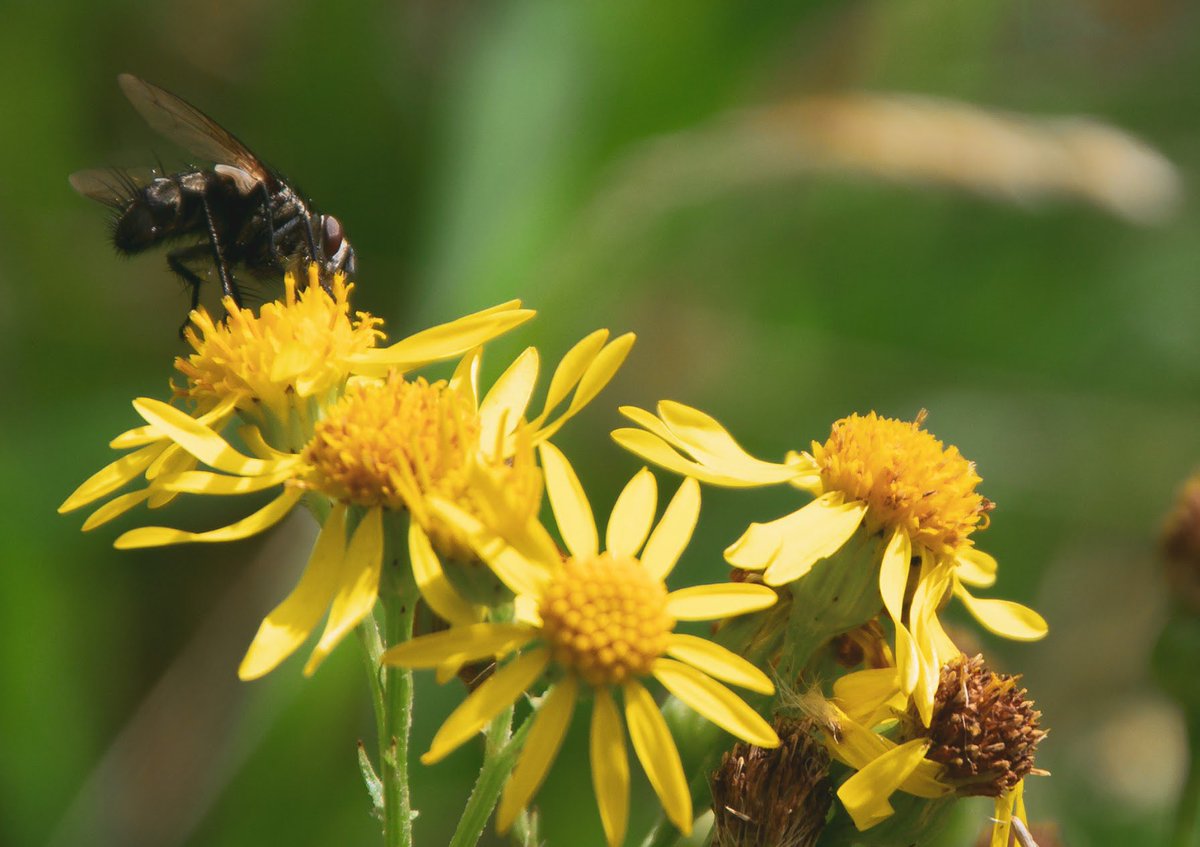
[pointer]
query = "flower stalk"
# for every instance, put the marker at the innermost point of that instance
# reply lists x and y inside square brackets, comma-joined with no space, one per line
[398,596]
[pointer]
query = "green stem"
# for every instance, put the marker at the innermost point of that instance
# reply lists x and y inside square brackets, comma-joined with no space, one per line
[499,759]
[398,595]
[368,637]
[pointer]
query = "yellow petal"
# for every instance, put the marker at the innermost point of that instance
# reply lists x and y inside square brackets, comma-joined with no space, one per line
[160,536]
[893,582]
[466,376]
[487,701]
[508,398]
[610,767]
[468,643]
[650,447]
[111,477]
[115,508]
[865,695]
[570,370]
[790,546]
[724,600]
[715,702]
[291,622]
[718,662]
[541,746]
[357,585]
[598,374]
[204,482]
[520,573]
[713,446]
[659,757]
[1004,617]
[673,532]
[976,567]
[204,443]
[572,511]
[435,588]
[444,341]
[1003,816]
[865,795]
[632,515]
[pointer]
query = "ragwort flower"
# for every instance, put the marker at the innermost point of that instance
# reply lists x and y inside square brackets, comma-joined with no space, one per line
[885,477]
[275,369]
[601,622]
[385,450]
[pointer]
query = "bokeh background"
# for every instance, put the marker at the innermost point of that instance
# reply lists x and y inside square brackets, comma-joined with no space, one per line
[571,154]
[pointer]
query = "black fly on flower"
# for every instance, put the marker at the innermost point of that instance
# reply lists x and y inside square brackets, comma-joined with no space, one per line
[238,213]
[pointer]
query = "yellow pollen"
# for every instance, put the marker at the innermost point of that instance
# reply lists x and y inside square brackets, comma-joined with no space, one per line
[298,345]
[907,479]
[606,619]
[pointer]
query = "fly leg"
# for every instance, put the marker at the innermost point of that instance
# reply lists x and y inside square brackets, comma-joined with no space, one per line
[228,286]
[177,262]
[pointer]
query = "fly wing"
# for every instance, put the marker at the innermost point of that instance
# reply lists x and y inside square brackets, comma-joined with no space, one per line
[111,186]
[190,128]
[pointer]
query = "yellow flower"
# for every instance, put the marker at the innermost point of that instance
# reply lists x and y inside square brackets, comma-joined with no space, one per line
[386,448]
[604,622]
[889,478]
[276,369]
[981,741]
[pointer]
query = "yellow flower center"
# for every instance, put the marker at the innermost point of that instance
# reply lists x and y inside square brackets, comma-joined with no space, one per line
[295,347]
[606,619]
[906,478]
[397,443]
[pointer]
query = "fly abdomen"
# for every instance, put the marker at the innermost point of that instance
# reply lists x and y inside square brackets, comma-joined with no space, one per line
[166,208]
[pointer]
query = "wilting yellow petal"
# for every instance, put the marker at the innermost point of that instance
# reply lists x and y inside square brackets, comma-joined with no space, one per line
[204,443]
[111,477]
[572,511]
[632,515]
[470,642]
[801,539]
[715,702]
[160,536]
[656,751]
[115,508]
[1004,617]
[868,695]
[289,623]
[657,451]
[541,746]
[865,795]
[508,398]
[724,600]
[357,585]
[435,588]
[718,662]
[673,532]
[444,341]
[474,713]
[204,482]
[893,582]
[713,446]
[975,567]
[610,767]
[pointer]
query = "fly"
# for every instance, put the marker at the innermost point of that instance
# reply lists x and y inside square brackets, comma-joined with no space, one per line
[237,213]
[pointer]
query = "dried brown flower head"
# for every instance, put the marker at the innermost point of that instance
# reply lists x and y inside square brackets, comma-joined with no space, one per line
[984,731]
[773,798]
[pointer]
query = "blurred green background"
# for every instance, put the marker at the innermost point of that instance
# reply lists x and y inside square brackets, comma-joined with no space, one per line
[482,151]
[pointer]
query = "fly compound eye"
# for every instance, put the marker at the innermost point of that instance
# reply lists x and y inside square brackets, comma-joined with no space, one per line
[331,236]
